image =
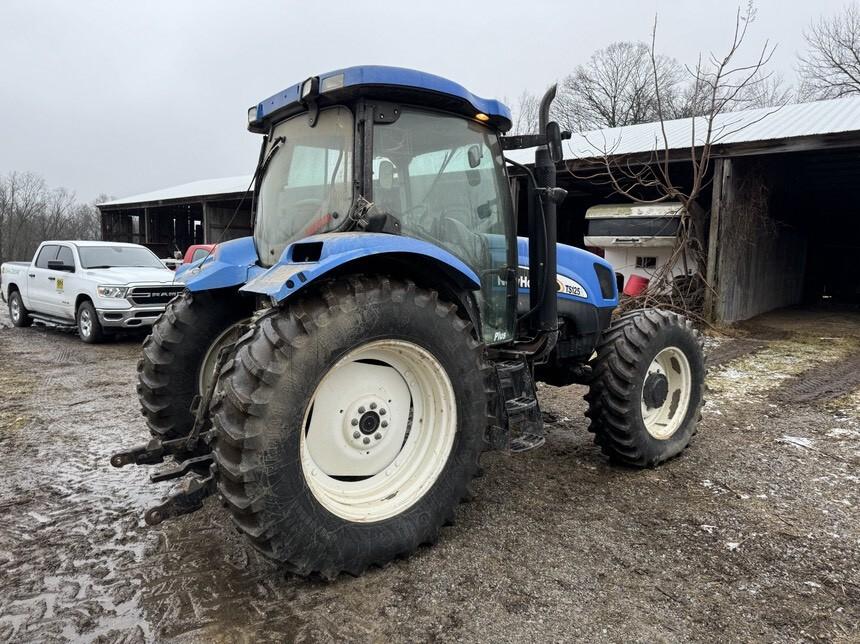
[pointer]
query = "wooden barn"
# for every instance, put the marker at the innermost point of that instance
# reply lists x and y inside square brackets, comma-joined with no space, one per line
[780,199]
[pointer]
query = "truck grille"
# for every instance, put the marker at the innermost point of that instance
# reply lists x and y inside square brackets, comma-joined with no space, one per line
[153,295]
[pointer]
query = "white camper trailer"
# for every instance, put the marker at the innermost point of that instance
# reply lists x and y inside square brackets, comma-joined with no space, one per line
[637,239]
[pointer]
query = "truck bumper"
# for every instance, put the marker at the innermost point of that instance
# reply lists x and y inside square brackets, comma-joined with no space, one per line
[129,318]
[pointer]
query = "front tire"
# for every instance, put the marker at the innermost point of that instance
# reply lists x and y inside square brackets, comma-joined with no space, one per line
[178,356]
[306,467]
[89,328]
[647,387]
[17,311]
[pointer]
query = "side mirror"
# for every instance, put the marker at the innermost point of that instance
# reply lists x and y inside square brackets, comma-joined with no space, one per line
[475,155]
[553,141]
[57,265]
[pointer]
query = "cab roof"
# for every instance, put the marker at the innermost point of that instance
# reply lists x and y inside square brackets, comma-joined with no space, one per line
[394,84]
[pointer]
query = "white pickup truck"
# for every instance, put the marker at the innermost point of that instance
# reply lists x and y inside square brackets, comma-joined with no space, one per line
[96,286]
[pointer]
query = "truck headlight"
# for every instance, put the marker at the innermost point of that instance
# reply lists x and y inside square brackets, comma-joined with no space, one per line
[111,291]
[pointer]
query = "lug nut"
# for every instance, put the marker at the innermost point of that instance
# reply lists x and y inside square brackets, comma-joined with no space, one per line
[385,423]
[356,434]
[354,422]
[377,436]
[366,440]
[361,410]
[382,412]
[373,405]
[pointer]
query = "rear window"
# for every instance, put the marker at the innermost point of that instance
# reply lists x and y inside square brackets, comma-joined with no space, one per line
[46,255]
[200,253]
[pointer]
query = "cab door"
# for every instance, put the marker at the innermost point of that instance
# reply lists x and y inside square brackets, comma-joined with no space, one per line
[65,285]
[41,289]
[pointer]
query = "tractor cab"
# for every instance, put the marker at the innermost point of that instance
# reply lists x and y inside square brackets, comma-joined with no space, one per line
[390,150]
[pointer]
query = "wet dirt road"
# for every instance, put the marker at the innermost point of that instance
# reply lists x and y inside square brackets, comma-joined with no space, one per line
[753,534]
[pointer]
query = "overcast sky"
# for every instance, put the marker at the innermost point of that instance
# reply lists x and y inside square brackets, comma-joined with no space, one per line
[127,97]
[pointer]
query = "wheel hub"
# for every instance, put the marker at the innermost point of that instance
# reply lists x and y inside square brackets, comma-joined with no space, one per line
[364,423]
[655,390]
[369,423]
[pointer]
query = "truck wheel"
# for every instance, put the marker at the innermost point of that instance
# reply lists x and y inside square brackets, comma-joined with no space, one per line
[349,425]
[647,387]
[17,311]
[89,328]
[180,353]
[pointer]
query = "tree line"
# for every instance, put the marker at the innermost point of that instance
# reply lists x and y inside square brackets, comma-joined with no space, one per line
[626,83]
[32,212]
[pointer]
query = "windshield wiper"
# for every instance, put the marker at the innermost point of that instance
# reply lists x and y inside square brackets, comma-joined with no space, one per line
[89,267]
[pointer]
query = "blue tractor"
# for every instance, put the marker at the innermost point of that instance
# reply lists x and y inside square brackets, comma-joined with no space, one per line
[336,377]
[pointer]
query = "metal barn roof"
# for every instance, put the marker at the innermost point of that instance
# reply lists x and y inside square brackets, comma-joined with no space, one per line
[833,116]
[204,188]
[747,126]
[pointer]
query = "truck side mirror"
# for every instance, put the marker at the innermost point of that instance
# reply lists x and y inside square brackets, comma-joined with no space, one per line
[553,141]
[58,265]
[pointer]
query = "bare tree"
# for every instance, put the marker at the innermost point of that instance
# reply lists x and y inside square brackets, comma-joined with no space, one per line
[30,213]
[831,66]
[719,84]
[616,87]
[526,114]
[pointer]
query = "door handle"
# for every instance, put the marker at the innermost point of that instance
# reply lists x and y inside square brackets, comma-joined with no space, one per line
[32,274]
[52,279]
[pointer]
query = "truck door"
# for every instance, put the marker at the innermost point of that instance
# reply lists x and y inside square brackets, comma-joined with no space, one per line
[40,289]
[65,285]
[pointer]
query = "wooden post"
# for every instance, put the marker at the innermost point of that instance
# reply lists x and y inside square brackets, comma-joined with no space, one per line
[722,175]
[206,235]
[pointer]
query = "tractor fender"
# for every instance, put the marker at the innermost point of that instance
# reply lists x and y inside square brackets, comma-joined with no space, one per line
[306,261]
[232,263]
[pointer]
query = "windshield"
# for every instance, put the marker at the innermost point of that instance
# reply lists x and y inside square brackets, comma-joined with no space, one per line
[117,256]
[307,188]
[443,177]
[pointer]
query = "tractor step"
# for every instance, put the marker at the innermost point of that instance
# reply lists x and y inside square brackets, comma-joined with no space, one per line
[522,409]
[525,442]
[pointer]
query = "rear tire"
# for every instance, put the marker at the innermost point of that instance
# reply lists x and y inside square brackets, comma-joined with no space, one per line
[340,353]
[18,313]
[647,387]
[169,372]
[89,328]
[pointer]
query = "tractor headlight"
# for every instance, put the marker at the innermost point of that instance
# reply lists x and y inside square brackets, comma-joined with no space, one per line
[252,114]
[111,291]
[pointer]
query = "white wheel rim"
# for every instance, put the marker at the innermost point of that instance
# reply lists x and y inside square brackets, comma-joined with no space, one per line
[15,307]
[663,420]
[86,323]
[207,366]
[381,473]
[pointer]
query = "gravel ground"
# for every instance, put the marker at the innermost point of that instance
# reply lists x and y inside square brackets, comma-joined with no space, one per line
[752,534]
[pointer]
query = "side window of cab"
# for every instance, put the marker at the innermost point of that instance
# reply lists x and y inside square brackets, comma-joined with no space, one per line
[48,253]
[66,256]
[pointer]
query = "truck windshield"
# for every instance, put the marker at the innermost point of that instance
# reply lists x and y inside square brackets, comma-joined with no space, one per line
[117,256]
[307,188]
